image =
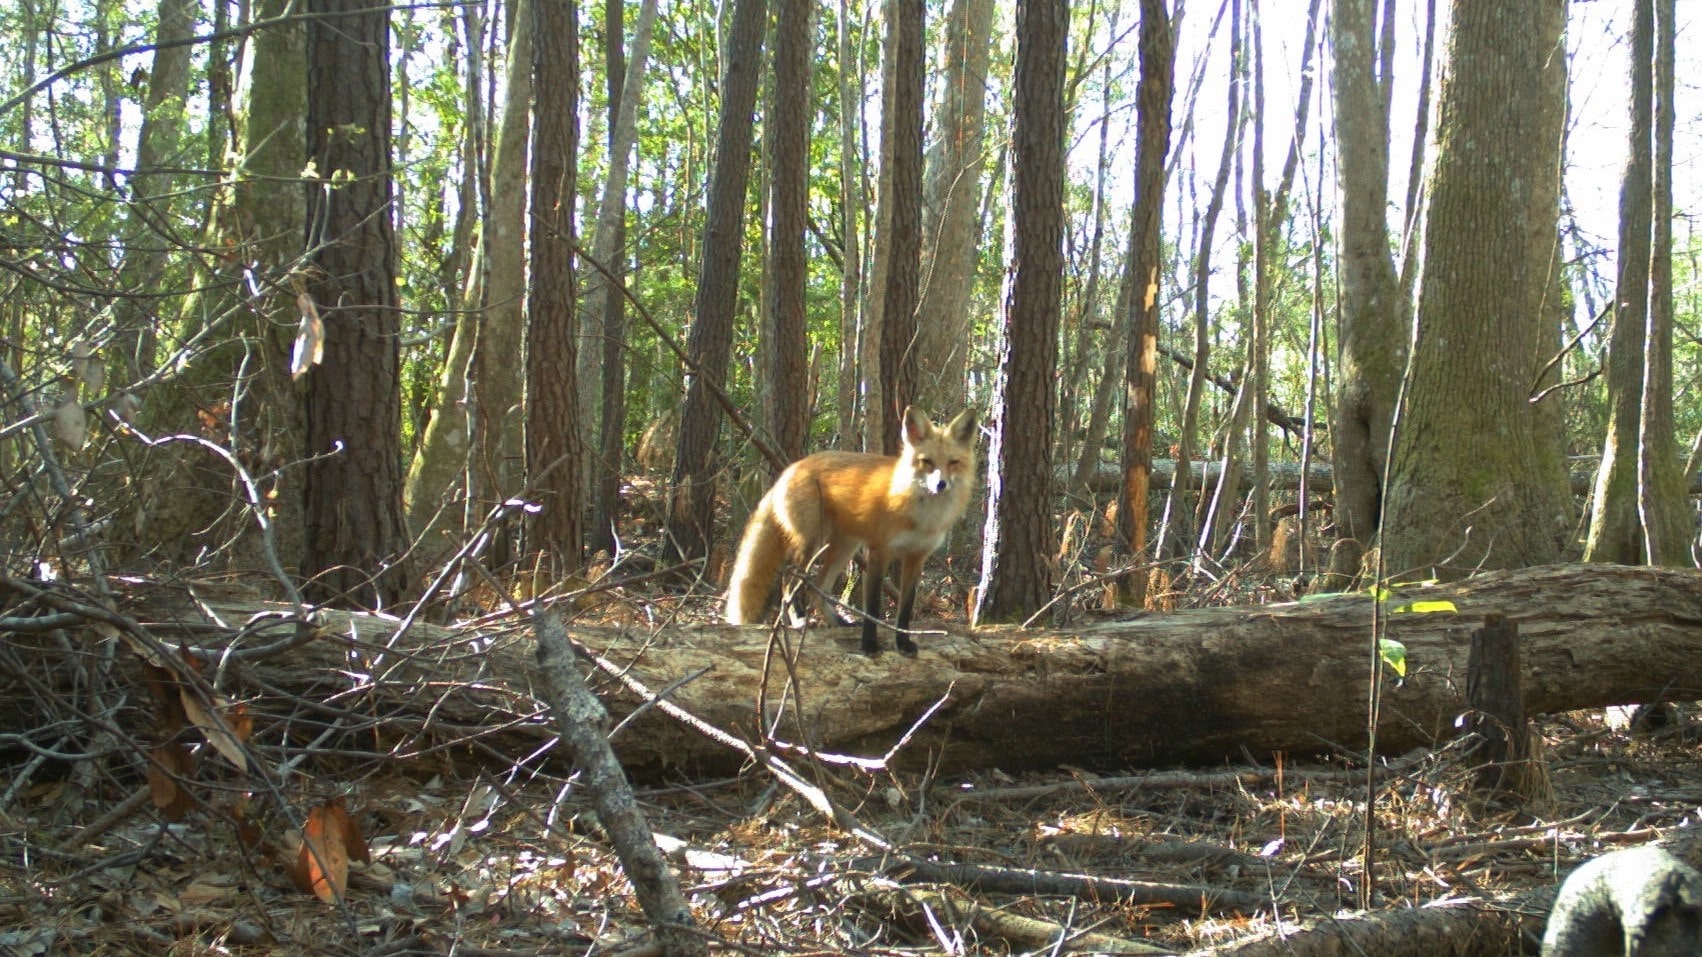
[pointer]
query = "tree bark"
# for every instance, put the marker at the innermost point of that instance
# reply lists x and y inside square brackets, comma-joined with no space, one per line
[1637,515]
[1152,110]
[477,441]
[356,533]
[691,506]
[952,188]
[554,452]
[1020,532]
[788,396]
[1477,480]
[1373,315]
[900,245]
[1195,686]
[605,307]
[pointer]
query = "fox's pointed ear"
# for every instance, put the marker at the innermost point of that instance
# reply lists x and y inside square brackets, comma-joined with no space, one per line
[962,428]
[917,425]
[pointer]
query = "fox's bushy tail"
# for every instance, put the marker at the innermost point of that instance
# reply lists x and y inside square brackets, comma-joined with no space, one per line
[761,551]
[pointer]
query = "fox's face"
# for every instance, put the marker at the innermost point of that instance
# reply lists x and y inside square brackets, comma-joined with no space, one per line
[939,458]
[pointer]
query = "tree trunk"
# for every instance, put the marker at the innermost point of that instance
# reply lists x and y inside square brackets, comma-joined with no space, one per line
[554,452]
[1476,482]
[1196,686]
[477,440]
[952,189]
[851,312]
[497,376]
[1372,330]
[1181,508]
[788,396]
[356,534]
[606,306]
[1020,539]
[1152,110]
[901,216]
[1639,516]
[689,528]
[160,147]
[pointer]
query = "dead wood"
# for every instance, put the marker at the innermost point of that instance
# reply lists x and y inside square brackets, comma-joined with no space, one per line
[1446,930]
[925,910]
[1191,686]
[1187,898]
[580,719]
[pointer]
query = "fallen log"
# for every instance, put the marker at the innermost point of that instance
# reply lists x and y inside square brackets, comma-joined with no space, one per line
[1149,689]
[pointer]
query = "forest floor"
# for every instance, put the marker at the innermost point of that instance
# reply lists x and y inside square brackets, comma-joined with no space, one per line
[475,851]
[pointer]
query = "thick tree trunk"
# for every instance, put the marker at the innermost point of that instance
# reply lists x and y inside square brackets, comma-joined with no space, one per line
[1188,687]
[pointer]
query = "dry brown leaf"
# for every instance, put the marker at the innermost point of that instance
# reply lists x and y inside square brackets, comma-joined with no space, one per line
[322,865]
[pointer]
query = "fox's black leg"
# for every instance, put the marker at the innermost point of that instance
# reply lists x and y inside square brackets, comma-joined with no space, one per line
[906,603]
[909,575]
[872,573]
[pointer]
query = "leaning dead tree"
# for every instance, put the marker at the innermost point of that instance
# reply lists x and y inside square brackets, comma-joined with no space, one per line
[1184,687]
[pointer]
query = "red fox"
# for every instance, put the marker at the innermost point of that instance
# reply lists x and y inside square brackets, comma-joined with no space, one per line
[828,505]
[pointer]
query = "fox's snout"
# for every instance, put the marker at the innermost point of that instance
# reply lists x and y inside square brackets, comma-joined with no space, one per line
[936,481]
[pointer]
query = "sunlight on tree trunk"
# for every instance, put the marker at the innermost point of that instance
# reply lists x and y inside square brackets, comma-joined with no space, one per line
[1158,63]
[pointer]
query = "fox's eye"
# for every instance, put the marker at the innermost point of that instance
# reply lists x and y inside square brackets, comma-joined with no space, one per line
[926,463]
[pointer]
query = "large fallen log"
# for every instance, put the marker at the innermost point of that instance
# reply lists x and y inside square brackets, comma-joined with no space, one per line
[1185,687]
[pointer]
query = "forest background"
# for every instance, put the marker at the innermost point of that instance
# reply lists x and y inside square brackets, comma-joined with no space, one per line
[243,238]
[457,310]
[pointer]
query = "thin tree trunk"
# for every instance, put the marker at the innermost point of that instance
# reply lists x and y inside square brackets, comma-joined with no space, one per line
[1638,515]
[952,199]
[851,313]
[159,147]
[1372,337]
[605,307]
[1158,61]
[790,398]
[689,527]
[901,214]
[1181,515]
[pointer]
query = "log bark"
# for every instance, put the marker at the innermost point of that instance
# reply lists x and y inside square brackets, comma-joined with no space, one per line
[1185,687]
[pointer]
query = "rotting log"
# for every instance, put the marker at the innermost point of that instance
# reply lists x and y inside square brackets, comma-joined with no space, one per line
[1186,687]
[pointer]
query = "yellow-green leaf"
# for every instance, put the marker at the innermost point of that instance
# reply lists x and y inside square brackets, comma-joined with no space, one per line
[1394,654]
[1426,607]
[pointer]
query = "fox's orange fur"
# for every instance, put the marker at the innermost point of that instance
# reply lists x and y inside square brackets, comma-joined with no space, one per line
[826,506]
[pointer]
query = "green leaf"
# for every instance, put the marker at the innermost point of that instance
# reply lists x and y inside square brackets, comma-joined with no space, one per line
[1394,654]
